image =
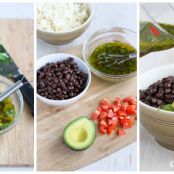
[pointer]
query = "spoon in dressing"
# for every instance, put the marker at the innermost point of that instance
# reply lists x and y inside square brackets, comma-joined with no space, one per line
[113,59]
[12,89]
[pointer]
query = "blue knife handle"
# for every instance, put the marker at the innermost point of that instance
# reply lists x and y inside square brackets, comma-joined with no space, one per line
[27,91]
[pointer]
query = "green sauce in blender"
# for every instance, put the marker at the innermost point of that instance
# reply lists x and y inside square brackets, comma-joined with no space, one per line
[168,27]
[153,38]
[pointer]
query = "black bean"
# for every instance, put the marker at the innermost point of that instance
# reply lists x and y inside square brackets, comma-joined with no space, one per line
[60,80]
[67,76]
[167,91]
[159,93]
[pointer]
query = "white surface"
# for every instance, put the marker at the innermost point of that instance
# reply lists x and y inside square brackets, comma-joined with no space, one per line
[15,10]
[125,159]
[153,157]
[15,169]
[106,15]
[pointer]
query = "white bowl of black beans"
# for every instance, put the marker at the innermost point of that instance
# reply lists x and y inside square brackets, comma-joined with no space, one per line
[157,89]
[62,79]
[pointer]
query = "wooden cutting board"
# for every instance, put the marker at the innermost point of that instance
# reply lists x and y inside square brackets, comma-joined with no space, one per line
[16,146]
[52,154]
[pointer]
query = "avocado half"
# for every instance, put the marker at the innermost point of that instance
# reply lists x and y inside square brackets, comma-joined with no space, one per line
[80,133]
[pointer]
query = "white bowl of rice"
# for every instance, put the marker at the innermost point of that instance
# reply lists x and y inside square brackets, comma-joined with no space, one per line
[59,23]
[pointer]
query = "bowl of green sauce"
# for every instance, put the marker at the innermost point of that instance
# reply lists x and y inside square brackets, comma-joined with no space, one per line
[10,108]
[101,51]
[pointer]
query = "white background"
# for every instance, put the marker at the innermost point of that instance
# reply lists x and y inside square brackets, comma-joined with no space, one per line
[16,10]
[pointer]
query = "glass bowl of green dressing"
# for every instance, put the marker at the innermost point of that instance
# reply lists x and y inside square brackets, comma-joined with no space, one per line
[103,48]
[10,108]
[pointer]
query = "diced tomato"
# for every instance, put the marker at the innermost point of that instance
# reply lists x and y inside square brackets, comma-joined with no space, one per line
[103,124]
[95,114]
[127,117]
[104,107]
[113,122]
[116,119]
[121,119]
[132,118]
[110,129]
[131,100]
[122,113]
[99,109]
[103,130]
[127,123]
[119,114]
[131,109]
[121,132]
[105,101]
[103,115]
[123,106]
[114,107]
[111,114]
[118,101]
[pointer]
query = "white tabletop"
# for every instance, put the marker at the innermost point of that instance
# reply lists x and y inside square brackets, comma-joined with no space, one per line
[154,157]
[16,10]
[106,15]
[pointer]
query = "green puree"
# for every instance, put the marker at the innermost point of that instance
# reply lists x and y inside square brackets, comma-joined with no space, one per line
[150,42]
[168,27]
[108,67]
[7,113]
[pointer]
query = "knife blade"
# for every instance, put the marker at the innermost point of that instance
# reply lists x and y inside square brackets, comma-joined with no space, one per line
[9,69]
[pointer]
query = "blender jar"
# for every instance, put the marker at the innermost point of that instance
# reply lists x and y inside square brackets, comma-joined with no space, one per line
[156,27]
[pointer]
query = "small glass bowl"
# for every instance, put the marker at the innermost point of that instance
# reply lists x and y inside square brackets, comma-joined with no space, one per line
[17,100]
[115,34]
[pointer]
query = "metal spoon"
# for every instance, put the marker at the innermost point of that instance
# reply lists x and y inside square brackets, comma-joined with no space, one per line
[113,59]
[11,90]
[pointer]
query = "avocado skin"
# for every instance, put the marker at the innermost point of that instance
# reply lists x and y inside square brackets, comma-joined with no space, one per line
[74,149]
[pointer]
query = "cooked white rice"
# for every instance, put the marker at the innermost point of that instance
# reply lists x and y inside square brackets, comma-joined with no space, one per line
[58,17]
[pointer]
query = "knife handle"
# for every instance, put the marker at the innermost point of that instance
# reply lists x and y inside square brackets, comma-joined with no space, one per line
[27,91]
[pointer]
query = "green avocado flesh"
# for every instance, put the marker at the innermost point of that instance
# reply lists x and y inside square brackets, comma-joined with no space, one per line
[80,133]
[168,107]
[7,113]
